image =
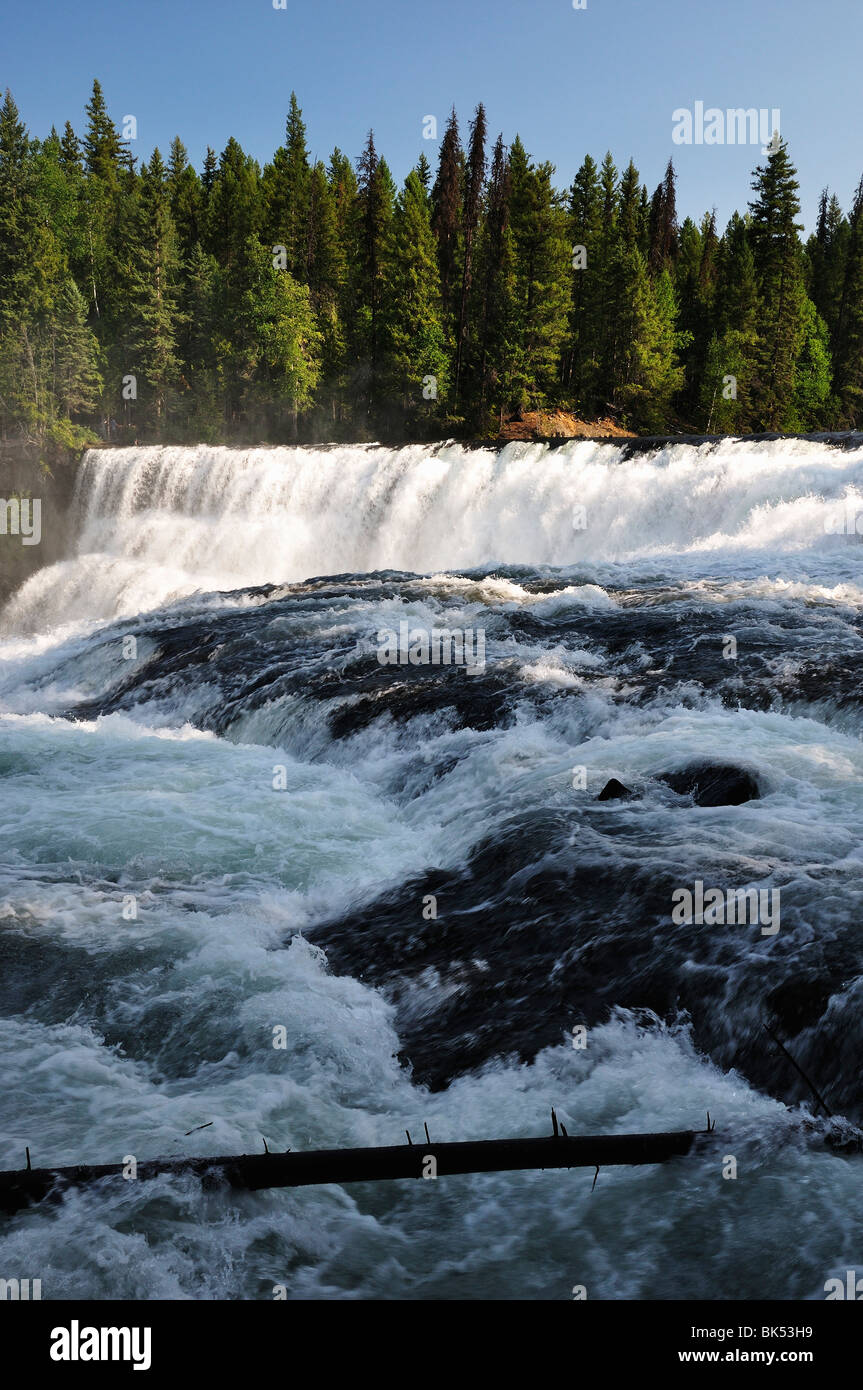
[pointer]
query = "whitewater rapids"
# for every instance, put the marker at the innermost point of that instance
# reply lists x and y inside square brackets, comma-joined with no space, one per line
[166,906]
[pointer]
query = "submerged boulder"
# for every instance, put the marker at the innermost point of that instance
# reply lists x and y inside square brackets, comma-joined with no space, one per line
[713,784]
[615,791]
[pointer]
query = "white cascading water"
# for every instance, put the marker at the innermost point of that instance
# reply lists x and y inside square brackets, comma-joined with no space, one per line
[607,585]
[154,524]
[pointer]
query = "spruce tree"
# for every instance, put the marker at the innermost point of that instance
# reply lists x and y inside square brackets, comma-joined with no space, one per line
[413,339]
[494,298]
[826,252]
[474,181]
[446,200]
[373,213]
[209,171]
[653,375]
[102,144]
[21,293]
[779,274]
[286,188]
[233,211]
[628,213]
[153,292]
[77,382]
[342,183]
[186,198]
[626,294]
[542,268]
[606,305]
[729,370]
[663,224]
[580,362]
[107,199]
[201,347]
[70,149]
[848,383]
[325,274]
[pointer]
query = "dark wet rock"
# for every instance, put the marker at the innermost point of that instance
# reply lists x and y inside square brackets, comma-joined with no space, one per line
[800,1001]
[533,936]
[615,791]
[713,784]
[476,702]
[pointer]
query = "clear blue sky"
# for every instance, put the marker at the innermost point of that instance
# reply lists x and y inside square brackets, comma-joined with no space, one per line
[570,82]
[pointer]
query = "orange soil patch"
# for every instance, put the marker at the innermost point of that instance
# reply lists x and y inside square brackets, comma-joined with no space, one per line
[559,424]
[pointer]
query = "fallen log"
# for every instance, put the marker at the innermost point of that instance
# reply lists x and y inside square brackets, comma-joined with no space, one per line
[252,1172]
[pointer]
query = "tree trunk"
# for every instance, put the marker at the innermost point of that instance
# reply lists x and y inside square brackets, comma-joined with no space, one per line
[252,1172]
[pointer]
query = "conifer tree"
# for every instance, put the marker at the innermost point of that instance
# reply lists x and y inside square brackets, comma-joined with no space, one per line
[414,343]
[108,193]
[210,170]
[826,252]
[604,378]
[446,199]
[580,362]
[494,296]
[779,274]
[374,210]
[694,273]
[201,346]
[473,186]
[77,382]
[644,223]
[663,223]
[286,190]
[233,212]
[729,370]
[153,293]
[626,295]
[542,268]
[108,268]
[102,144]
[47,354]
[325,273]
[848,383]
[342,183]
[186,198]
[654,376]
[629,199]
[70,149]
[22,290]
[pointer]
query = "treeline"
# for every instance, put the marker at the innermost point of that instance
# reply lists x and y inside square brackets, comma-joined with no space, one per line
[305,300]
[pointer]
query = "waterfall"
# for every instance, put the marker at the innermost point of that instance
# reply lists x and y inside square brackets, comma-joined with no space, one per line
[154,524]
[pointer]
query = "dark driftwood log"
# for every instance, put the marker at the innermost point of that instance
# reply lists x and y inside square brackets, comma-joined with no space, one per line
[252,1172]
